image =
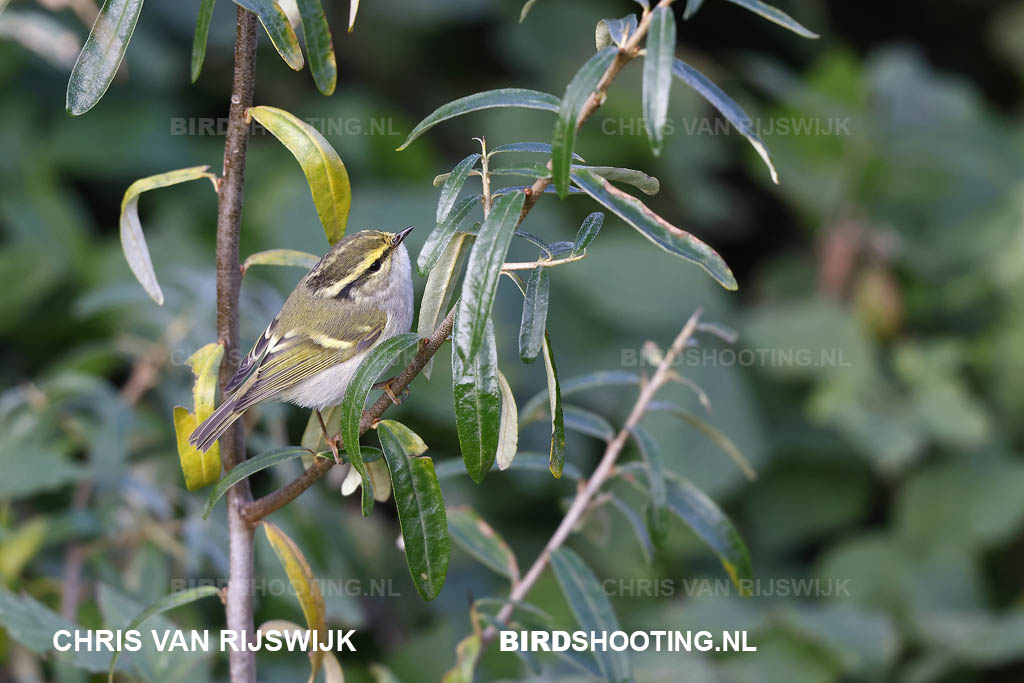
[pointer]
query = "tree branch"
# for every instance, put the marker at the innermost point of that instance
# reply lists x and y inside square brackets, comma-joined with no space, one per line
[231,189]
[582,501]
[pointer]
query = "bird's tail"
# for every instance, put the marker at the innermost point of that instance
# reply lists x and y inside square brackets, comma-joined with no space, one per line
[214,426]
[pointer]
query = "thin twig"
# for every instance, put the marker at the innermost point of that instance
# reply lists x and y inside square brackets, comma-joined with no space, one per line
[238,599]
[542,263]
[593,485]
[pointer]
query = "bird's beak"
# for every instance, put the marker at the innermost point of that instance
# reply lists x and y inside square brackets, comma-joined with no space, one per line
[402,235]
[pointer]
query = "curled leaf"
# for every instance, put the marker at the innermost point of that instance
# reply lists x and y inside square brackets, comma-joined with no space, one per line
[102,54]
[279,29]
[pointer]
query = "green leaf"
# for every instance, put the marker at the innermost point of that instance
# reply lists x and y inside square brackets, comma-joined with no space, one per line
[638,527]
[317,35]
[477,397]
[246,469]
[527,6]
[325,173]
[711,432]
[165,604]
[439,239]
[534,409]
[307,590]
[508,431]
[657,83]
[534,147]
[377,361]
[477,538]
[503,97]
[587,232]
[556,457]
[647,184]
[535,315]
[691,8]
[579,90]
[33,624]
[707,520]
[586,422]
[420,506]
[280,257]
[614,31]
[278,28]
[453,185]
[592,609]
[483,271]
[657,517]
[774,15]
[102,54]
[199,40]
[440,286]
[133,242]
[654,227]
[727,107]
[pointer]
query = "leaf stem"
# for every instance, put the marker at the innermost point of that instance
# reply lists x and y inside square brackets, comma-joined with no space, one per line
[542,263]
[590,489]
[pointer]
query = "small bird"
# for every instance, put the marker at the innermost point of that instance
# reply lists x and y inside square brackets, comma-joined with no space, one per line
[357,296]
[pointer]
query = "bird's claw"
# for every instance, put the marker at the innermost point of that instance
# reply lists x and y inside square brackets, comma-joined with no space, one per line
[397,399]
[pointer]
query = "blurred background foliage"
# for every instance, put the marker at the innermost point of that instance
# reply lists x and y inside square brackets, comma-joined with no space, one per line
[891,256]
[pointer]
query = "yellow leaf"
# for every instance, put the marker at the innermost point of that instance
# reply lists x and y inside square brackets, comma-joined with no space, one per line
[205,363]
[200,469]
[20,546]
[307,590]
[325,173]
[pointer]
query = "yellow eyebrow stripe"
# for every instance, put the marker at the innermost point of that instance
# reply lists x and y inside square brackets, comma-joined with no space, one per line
[333,290]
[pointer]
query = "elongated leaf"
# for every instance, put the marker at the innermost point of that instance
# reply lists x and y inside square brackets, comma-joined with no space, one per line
[453,185]
[579,90]
[440,287]
[727,107]
[657,83]
[647,184]
[691,8]
[305,585]
[246,469]
[535,147]
[707,520]
[477,397]
[102,54]
[592,609]
[133,242]
[535,315]
[200,469]
[638,527]
[508,432]
[353,9]
[587,232]
[775,15]
[503,97]
[325,173]
[527,6]
[586,422]
[439,239]
[556,457]
[281,257]
[477,538]
[524,462]
[467,652]
[657,517]
[164,604]
[711,432]
[377,361]
[420,506]
[275,23]
[199,40]
[535,407]
[319,47]
[614,31]
[483,271]
[654,227]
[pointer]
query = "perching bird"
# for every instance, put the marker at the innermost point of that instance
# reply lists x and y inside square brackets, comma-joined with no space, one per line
[357,296]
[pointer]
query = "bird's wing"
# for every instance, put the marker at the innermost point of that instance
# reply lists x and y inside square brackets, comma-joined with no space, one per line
[295,357]
[254,356]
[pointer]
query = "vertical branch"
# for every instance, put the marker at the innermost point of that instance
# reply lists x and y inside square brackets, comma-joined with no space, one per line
[238,602]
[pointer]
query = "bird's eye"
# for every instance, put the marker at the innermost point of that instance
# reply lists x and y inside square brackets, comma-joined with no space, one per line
[375,266]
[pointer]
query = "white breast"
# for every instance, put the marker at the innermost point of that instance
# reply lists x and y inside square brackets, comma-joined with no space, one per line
[327,388]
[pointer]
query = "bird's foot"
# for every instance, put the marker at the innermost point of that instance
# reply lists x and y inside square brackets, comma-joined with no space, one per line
[397,399]
[332,443]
